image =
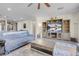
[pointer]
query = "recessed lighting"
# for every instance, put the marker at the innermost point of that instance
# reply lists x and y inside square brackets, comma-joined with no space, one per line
[21,18]
[39,24]
[9,9]
[5,16]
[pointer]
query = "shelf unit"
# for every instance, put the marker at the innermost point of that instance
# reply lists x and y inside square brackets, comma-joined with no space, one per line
[44,29]
[66,26]
[54,28]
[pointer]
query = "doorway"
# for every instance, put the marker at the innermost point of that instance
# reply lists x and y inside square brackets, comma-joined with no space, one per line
[76,30]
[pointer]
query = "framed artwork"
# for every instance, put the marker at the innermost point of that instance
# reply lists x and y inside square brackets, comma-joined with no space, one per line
[24,25]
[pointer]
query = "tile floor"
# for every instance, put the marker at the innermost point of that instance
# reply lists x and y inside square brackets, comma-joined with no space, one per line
[27,51]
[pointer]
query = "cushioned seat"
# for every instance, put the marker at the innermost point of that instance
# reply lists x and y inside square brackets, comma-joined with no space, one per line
[62,48]
[16,39]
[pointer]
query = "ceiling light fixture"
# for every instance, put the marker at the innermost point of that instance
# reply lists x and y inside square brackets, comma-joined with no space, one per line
[9,9]
[21,18]
[5,16]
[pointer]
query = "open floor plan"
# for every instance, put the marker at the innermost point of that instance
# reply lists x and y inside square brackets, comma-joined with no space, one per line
[39,29]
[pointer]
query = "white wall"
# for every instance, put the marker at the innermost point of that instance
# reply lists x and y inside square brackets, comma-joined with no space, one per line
[0,27]
[39,21]
[28,26]
[77,18]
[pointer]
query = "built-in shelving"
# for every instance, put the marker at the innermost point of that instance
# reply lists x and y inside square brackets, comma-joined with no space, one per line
[44,29]
[66,26]
[55,27]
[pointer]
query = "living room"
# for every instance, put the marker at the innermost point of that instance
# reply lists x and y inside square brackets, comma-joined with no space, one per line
[39,26]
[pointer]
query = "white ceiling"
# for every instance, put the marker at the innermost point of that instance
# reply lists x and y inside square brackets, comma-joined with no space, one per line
[20,10]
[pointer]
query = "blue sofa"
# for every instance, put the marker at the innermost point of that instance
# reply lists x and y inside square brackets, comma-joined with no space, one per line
[15,39]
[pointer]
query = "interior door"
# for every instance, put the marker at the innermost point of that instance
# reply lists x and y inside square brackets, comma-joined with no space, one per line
[76,30]
[34,29]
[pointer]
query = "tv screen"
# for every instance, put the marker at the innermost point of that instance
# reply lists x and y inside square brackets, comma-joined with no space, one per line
[54,27]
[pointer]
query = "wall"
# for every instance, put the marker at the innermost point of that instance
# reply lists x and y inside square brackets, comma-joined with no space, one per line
[28,26]
[0,27]
[39,21]
[77,17]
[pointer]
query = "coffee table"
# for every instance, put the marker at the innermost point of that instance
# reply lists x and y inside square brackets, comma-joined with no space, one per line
[43,45]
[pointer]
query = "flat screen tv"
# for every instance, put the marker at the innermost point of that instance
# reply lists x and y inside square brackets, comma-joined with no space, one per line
[54,27]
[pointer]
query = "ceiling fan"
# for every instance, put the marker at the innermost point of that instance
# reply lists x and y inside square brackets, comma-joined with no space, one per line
[47,4]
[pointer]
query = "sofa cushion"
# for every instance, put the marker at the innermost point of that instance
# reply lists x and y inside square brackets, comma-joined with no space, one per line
[15,35]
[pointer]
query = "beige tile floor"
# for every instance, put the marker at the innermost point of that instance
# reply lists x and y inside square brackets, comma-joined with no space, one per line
[27,51]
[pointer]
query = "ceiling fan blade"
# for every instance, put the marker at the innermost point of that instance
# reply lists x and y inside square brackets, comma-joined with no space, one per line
[47,4]
[29,4]
[38,5]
